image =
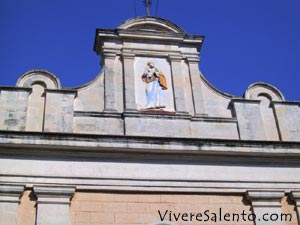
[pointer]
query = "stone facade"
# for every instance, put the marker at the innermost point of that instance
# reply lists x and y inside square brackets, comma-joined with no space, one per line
[98,154]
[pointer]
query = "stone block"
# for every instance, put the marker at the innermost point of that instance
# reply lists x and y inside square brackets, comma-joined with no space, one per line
[90,98]
[219,130]
[288,119]
[156,127]
[249,118]
[98,125]
[59,111]
[13,109]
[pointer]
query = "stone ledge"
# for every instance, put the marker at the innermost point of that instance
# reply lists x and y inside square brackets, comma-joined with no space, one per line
[98,114]
[157,115]
[214,119]
[67,91]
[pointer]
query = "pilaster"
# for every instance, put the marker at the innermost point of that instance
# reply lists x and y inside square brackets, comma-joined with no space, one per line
[9,203]
[110,85]
[53,204]
[266,205]
[295,197]
[196,84]
[129,81]
[178,84]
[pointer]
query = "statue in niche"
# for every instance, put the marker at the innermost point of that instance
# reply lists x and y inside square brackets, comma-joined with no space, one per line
[156,84]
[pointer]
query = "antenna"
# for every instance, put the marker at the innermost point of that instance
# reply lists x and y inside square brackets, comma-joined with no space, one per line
[147,4]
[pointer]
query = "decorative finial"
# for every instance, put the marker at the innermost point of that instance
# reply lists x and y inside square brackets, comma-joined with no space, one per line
[147,4]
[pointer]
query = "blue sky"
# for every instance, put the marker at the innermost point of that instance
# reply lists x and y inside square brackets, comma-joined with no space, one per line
[245,40]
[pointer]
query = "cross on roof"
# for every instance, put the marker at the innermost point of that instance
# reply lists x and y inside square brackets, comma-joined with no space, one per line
[147,4]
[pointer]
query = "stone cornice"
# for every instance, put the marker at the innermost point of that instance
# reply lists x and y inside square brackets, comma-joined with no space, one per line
[108,146]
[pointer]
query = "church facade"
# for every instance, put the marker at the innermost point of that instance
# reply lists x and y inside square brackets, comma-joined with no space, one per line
[148,141]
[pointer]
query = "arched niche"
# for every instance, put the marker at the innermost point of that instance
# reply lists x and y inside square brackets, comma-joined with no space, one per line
[40,77]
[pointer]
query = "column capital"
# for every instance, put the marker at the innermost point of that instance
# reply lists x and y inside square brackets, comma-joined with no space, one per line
[191,60]
[265,202]
[265,198]
[11,193]
[175,57]
[53,194]
[128,55]
[295,197]
[109,54]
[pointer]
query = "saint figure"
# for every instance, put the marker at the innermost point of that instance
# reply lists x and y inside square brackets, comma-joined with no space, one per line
[156,84]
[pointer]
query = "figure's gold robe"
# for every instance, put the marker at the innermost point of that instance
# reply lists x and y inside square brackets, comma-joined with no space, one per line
[162,81]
